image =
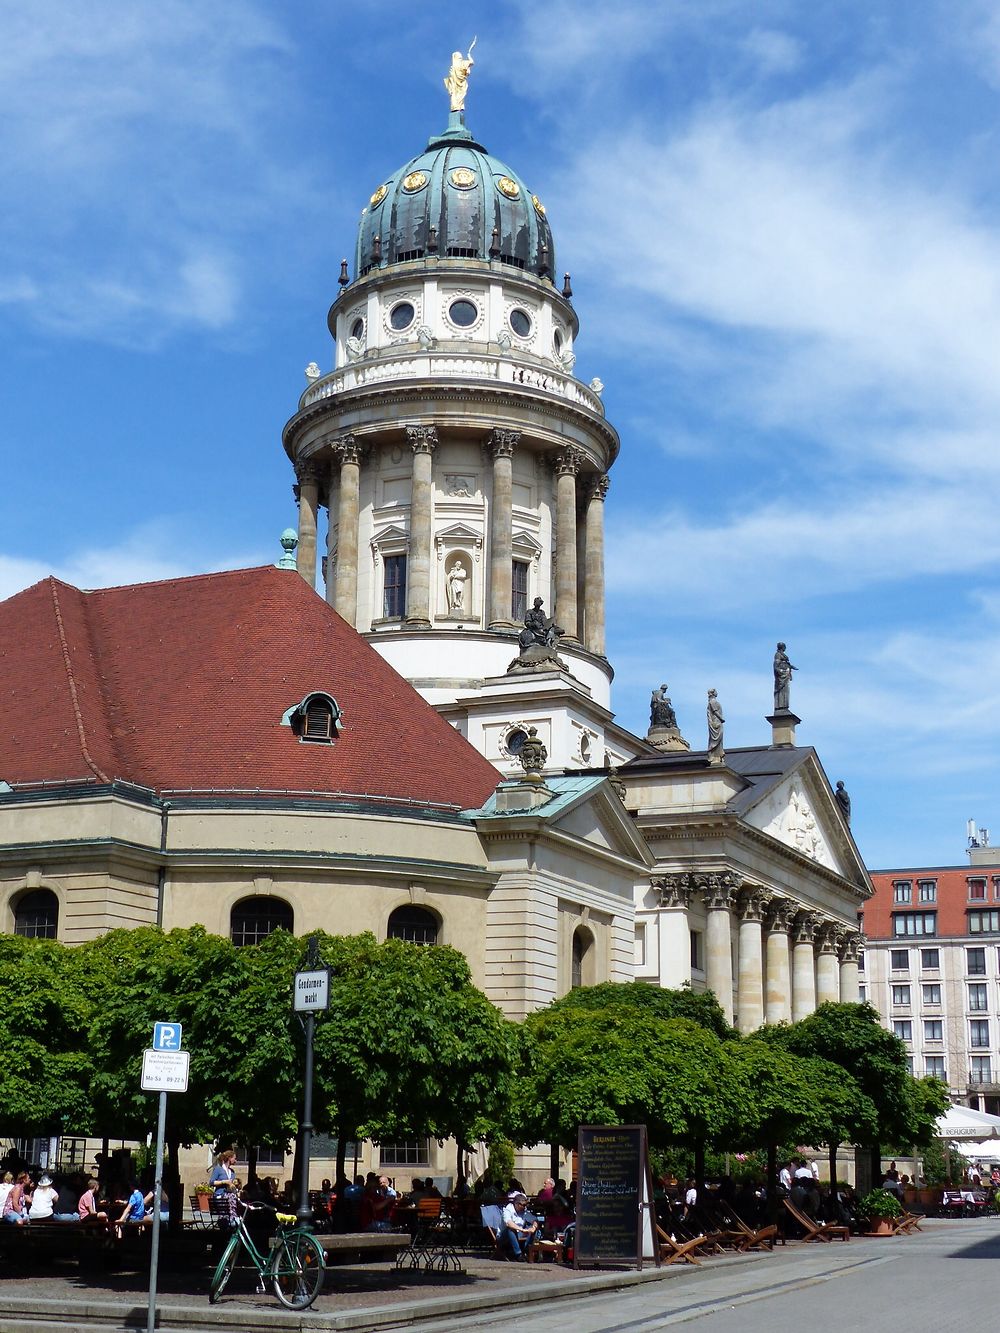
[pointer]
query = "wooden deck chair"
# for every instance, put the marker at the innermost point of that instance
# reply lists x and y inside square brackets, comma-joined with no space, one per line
[678,1251]
[757,1238]
[909,1223]
[817,1230]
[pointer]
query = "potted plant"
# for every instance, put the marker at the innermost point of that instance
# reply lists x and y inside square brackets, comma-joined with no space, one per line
[203,1194]
[880,1207]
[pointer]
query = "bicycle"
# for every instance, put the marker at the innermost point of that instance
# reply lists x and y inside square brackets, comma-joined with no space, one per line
[295,1264]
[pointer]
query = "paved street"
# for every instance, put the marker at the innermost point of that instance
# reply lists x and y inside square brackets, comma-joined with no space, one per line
[924,1283]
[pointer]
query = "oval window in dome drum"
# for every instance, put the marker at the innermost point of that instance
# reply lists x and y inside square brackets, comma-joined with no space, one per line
[401,316]
[520,322]
[358,328]
[463,313]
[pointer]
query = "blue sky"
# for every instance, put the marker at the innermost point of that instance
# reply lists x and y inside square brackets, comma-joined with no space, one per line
[781,222]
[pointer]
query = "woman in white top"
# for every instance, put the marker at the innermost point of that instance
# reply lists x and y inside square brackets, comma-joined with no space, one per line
[43,1200]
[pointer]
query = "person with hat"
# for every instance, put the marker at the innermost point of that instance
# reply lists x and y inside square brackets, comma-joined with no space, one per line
[520,1229]
[42,1199]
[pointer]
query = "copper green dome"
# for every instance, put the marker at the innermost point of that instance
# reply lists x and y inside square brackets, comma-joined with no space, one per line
[455,201]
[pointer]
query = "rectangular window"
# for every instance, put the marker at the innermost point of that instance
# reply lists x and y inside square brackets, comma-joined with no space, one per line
[640,946]
[861,961]
[930,960]
[934,1067]
[932,993]
[862,994]
[900,995]
[267,1155]
[518,591]
[975,962]
[977,890]
[899,960]
[909,1064]
[996,887]
[914,923]
[984,922]
[979,1032]
[403,1152]
[902,891]
[697,962]
[927,890]
[980,1071]
[903,1029]
[394,597]
[933,1030]
[978,997]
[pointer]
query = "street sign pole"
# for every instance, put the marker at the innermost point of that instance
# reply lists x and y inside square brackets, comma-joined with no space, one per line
[311,994]
[154,1256]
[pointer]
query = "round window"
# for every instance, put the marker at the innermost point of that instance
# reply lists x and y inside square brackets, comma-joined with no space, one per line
[557,340]
[463,313]
[358,329]
[401,316]
[520,322]
[515,740]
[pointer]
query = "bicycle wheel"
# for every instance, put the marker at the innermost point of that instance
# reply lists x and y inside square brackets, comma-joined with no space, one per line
[224,1270]
[297,1271]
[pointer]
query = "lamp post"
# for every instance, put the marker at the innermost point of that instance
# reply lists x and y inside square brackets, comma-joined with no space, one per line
[311,996]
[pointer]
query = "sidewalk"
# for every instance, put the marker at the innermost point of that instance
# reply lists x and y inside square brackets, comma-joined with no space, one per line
[375,1296]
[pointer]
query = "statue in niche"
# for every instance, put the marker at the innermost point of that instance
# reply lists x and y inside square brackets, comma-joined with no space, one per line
[661,710]
[782,679]
[716,722]
[457,81]
[456,588]
[844,802]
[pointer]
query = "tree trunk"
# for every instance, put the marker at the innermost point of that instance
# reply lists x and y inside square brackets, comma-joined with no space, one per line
[172,1183]
[554,1160]
[772,1202]
[341,1155]
[252,1164]
[833,1168]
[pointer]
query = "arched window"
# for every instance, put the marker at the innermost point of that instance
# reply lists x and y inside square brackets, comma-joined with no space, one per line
[36,915]
[583,958]
[253,919]
[415,924]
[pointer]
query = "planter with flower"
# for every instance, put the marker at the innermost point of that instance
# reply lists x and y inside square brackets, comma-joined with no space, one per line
[203,1194]
[881,1208]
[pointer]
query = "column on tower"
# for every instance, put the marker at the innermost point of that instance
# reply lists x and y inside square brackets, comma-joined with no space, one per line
[777,961]
[308,474]
[719,895]
[342,590]
[565,465]
[828,965]
[593,566]
[749,972]
[501,444]
[423,441]
[850,948]
[803,967]
[673,928]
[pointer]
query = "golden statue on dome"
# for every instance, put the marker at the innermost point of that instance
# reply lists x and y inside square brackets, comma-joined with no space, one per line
[457,81]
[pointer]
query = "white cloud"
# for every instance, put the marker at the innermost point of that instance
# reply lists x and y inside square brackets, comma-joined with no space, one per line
[773,52]
[159,549]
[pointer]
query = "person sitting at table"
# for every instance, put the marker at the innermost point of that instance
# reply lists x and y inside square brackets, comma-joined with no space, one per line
[520,1230]
[43,1200]
[547,1190]
[134,1212]
[376,1206]
[87,1209]
[67,1200]
[147,1203]
[431,1191]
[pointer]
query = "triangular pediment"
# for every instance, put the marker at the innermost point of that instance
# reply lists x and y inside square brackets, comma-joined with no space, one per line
[525,546]
[800,811]
[458,532]
[392,533]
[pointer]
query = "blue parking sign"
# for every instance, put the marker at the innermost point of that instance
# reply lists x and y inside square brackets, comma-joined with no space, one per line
[167,1036]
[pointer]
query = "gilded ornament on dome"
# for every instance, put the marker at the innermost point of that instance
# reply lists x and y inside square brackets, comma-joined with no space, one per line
[415,181]
[379,195]
[463,178]
[508,187]
[539,206]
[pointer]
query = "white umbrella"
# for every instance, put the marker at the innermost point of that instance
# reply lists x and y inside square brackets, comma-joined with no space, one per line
[982,1152]
[961,1122]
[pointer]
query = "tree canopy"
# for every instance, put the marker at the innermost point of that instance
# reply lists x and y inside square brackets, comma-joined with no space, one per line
[700,1007]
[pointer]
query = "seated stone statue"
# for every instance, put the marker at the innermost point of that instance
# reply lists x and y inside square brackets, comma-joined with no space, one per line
[539,628]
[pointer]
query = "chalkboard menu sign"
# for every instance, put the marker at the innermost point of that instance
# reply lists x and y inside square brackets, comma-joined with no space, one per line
[613,1195]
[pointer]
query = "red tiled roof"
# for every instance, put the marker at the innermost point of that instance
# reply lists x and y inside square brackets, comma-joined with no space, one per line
[183,684]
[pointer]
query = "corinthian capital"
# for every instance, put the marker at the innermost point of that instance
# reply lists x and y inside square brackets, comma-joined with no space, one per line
[422,439]
[346,449]
[308,470]
[752,903]
[674,890]
[828,936]
[805,928]
[502,443]
[719,890]
[781,913]
[851,943]
[566,462]
[598,486]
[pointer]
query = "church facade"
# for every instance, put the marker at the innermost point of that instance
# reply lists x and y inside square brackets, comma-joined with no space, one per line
[340,746]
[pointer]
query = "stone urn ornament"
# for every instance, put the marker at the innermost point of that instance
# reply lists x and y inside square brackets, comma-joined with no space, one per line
[533,756]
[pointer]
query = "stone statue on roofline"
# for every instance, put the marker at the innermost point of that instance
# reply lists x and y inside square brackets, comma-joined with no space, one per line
[537,642]
[844,802]
[663,731]
[716,723]
[782,679]
[457,79]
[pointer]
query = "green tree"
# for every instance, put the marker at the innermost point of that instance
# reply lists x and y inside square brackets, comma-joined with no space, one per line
[409,1045]
[701,1008]
[45,1070]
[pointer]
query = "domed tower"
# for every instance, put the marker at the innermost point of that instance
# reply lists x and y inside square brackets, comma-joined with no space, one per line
[464,466]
